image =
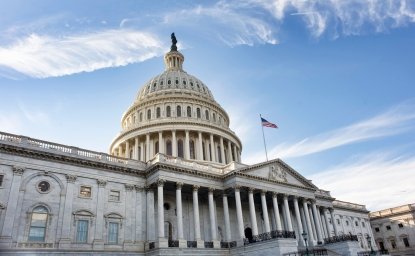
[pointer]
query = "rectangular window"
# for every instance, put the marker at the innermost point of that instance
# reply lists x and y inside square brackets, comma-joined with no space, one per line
[85,191]
[347,223]
[338,222]
[400,225]
[388,227]
[363,224]
[114,195]
[38,224]
[1,180]
[113,233]
[406,242]
[82,231]
[356,224]
[377,229]
[393,244]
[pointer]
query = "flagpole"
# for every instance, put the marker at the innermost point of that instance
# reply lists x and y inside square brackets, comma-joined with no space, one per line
[263,137]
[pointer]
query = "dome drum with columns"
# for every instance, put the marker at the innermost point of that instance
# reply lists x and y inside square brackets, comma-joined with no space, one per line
[175,114]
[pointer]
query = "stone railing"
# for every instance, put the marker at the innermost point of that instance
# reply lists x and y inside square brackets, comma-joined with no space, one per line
[373,253]
[47,146]
[36,245]
[209,168]
[228,244]
[341,238]
[173,243]
[208,244]
[323,193]
[349,205]
[270,235]
[310,252]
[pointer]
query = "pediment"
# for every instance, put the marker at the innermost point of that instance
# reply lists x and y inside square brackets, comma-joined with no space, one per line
[277,170]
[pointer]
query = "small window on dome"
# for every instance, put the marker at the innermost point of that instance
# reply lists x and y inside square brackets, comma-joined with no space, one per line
[161,82]
[148,114]
[168,111]
[168,82]
[207,115]
[214,117]
[154,86]
[203,88]
[184,82]
[179,111]
[177,81]
[189,111]
[141,117]
[191,84]
[198,112]
[158,112]
[198,86]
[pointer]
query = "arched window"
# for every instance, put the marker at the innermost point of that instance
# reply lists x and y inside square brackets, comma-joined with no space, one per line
[156,146]
[179,111]
[180,152]
[198,112]
[207,114]
[38,223]
[214,117]
[192,150]
[141,117]
[168,111]
[148,114]
[189,111]
[134,119]
[168,148]
[158,112]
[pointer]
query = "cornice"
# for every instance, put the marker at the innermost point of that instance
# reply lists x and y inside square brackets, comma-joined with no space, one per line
[61,158]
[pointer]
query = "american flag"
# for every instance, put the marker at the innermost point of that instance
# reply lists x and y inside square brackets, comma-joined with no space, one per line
[268,124]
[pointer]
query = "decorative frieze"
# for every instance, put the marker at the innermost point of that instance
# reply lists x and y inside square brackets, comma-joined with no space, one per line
[17,170]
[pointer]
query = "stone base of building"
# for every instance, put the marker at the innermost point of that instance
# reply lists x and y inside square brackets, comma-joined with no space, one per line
[346,248]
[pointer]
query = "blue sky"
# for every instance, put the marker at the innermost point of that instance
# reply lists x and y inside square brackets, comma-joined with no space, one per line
[336,76]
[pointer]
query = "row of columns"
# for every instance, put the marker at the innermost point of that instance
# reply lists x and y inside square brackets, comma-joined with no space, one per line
[308,217]
[209,153]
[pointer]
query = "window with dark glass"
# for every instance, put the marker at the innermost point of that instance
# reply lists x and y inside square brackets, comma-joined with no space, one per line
[179,111]
[207,115]
[156,147]
[388,227]
[400,225]
[168,148]
[406,242]
[1,180]
[168,111]
[43,186]
[219,155]
[180,152]
[148,114]
[158,113]
[198,112]
[189,111]
[192,150]
[38,223]
[377,229]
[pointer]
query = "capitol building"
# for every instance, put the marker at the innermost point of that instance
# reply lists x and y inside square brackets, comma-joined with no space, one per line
[172,183]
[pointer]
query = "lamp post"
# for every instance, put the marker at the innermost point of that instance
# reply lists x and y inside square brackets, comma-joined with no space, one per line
[304,234]
[369,241]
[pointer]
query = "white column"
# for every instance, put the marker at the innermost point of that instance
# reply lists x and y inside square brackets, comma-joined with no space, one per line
[142,151]
[120,151]
[136,149]
[229,151]
[179,211]
[67,214]
[174,143]
[212,147]
[151,236]
[265,211]
[317,222]
[276,211]
[239,212]
[187,146]
[327,223]
[308,220]
[235,153]
[207,154]
[200,148]
[222,150]
[287,213]
[298,217]
[226,217]
[313,226]
[161,143]
[160,207]
[147,147]
[333,221]
[212,214]
[99,224]
[252,213]
[127,149]
[196,213]
[12,204]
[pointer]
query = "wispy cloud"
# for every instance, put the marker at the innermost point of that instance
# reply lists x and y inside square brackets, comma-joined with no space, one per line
[43,56]
[378,180]
[398,119]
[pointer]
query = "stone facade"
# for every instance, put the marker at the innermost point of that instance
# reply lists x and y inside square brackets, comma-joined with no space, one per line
[172,184]
[394,229]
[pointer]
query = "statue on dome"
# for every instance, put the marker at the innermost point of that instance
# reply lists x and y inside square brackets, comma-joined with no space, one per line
[173,42]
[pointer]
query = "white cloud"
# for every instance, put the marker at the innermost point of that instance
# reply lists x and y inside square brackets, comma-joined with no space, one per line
[379,181]
[10,123]
[43,56]
[394,121]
